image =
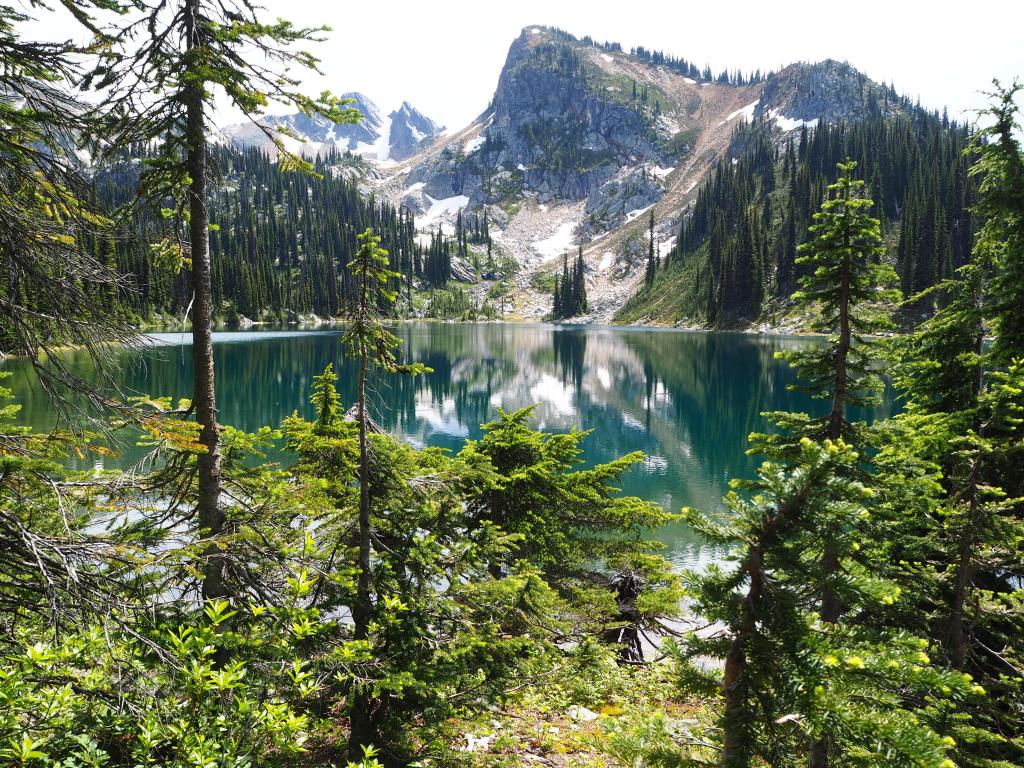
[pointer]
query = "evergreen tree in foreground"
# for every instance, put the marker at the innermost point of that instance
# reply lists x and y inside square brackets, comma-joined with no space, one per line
[57,284]
[847,288]
[161,90]
[845,285]
[568,521]
[372,345]
[789,677]
[954,456]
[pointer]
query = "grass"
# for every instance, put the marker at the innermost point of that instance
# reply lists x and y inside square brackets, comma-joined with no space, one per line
[544,282]
[545,725]
[669,300]
[682,143]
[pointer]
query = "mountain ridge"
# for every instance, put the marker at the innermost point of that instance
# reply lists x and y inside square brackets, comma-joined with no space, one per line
[582,139]
[380,138]
[581,143]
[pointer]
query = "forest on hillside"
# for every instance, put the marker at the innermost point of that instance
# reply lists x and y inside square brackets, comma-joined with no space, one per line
[369,603]
[735,259]
[281,241]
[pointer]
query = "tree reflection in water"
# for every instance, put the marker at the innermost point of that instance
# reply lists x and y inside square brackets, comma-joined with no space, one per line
[687,399]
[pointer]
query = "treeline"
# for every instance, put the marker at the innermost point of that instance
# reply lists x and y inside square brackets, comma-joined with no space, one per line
[737,245]
[280,241]
[674,63]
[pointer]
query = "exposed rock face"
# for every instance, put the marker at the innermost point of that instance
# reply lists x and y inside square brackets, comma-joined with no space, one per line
[411,130]
[829,90]
[557,127]
[552,115]
[622,199]
[394,137]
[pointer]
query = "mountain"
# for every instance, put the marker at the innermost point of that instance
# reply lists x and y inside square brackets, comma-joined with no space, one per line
[734,261]
[582,139]
[587,147]
[383,139]
[829,91]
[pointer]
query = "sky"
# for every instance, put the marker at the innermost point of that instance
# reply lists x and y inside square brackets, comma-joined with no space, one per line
[444,56]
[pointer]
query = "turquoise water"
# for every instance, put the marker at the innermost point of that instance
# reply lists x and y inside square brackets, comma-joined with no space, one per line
[688,400]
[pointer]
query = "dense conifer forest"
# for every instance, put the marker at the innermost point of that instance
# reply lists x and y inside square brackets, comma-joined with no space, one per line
[281,241]
[734,261]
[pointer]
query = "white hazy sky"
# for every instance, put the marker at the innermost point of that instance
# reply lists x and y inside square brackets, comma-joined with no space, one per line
[444,56]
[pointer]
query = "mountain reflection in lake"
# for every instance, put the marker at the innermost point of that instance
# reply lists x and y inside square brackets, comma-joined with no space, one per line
[687,400]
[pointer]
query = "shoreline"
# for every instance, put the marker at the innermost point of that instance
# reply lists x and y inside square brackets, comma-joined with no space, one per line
[318,323]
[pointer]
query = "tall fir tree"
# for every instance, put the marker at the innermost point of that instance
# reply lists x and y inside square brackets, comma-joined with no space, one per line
[372,345]
[187,49]
[652,263]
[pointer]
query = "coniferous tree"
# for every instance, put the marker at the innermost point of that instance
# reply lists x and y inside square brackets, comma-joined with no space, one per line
[919,180]
[1001,205]
[566,301]
[847,284]
[787,674]
[372,345]
[57,284]
[579,285]
[189,48]
[652,264]
[570,297]
[950,455]
[845,281]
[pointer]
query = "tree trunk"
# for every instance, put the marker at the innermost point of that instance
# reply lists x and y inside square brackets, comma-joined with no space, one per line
[817,754]
[361,609]
[965,566]
[210,515]
[735,746]
[360,719]
[831,609]
[957,643]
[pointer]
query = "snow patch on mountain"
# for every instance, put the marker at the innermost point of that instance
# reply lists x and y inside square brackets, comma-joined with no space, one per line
[789,123]
[380,148]
[558,243]
[441,210]
[747,112]
[638,212]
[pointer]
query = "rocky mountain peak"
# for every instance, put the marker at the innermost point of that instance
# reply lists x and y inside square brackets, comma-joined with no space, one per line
[829,90]
[410,131]
[560,127]
[378,137]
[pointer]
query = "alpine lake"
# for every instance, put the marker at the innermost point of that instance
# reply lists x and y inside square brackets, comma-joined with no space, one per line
[687,399]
